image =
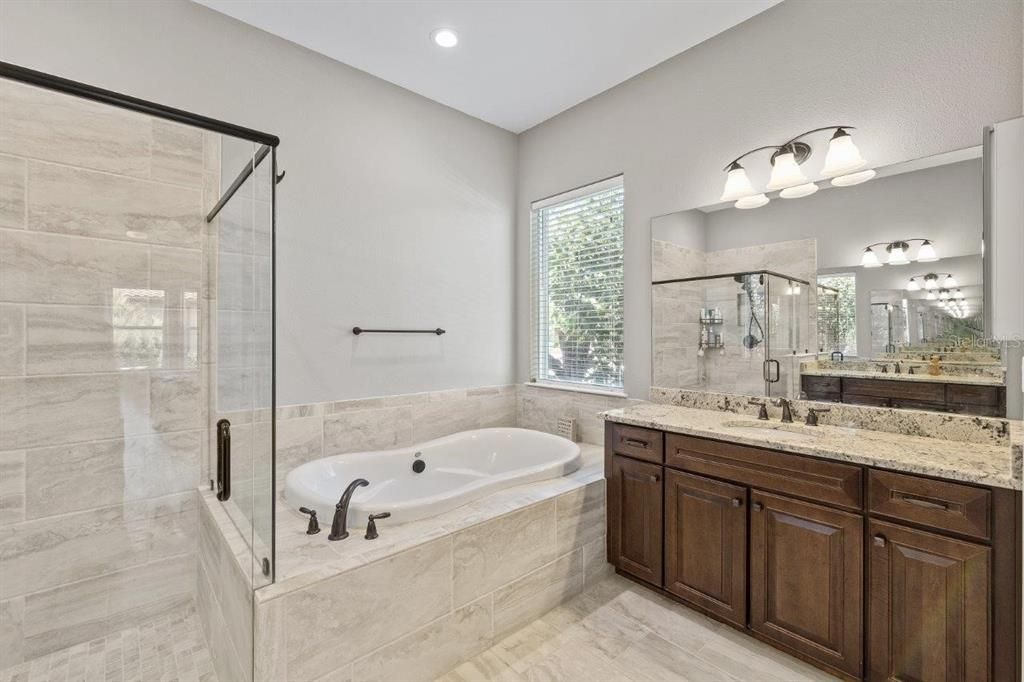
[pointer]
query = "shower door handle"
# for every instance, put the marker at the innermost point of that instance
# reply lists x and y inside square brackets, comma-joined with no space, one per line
[768,371]
[223,460]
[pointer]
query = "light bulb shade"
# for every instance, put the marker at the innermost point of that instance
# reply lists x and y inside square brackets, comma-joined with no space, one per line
[897,254]
[799,191]
[796,289]
[931,296]
[926,254]
[756,201]
[789,290]
[737,184]
[853,178]
[929,283]
[843,157]
[943,295]
[959,294]
[949,282]
[786,172]
[869,259]
[913,285]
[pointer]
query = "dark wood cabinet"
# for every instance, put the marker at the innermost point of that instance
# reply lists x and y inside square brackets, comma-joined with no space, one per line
[866,573]
[929,600]
[706,544]
[806,587]
[984,401]
[635,515]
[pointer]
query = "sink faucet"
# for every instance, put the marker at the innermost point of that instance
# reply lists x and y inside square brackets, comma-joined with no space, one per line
[339,527]
[762,414]
[787,412]
[896,367]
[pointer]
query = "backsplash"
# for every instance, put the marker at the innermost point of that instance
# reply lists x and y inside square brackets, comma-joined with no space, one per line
[965,429]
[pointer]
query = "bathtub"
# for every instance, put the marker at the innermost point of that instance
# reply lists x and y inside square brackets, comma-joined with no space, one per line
[460,468]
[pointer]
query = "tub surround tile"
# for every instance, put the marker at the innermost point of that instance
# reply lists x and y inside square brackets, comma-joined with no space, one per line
[12,635]
[12,487]
[536,593]
[93,204]
[348,616]
[227,663]
[595,561]
[177,153]
[299,440]
[581,516]
[53,268]
[176,401]
[12,192]
[12,339]
[359,430]
[433,649]
[177,274]
[494,552]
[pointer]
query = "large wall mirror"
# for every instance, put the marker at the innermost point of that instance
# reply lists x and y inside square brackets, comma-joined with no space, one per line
[870,294]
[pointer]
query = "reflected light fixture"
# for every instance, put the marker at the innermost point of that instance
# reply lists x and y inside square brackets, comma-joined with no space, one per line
[869,259]
[853,178]
[943,294]
[756,201]
[445,37]
[913,285]
[959,294]
[926,254]
[843,157]
[737,184]
[897,253]
[949,282]
[931,296]
[799,191]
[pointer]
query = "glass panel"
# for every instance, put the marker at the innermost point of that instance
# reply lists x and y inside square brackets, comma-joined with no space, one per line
[790,333]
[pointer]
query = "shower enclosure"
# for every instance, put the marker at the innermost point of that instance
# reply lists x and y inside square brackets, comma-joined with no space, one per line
[735,333]
[136,383]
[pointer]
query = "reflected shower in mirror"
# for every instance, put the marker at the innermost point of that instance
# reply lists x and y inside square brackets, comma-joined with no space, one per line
[894,268]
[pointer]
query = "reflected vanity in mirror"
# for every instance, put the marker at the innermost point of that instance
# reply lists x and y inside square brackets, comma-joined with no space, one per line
[870,294]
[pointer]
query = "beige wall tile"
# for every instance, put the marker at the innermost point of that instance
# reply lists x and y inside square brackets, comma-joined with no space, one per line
[495,552]
[536,593]
[41,411]
[298,441]
[87,203]
[235,284]
[69,339]
[177,153]
[12,487]
[176,401]
[375,429]
[178,273]
[432,650]
[12,340]
[595,561]
[348,616]
[49,268]
[41,124]
[226,661]
[45,553]
[87,609]
[12,192]
[433,419]
[271,657]
[88,475]
[12,635]
[581,516]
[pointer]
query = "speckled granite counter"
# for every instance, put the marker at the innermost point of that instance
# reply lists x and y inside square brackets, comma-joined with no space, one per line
[973,379]
[994,465]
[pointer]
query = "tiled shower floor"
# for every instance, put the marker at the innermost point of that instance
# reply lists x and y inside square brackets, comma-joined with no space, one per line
[170,648]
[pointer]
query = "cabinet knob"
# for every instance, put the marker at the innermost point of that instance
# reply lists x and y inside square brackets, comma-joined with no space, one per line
[879,541]
[737,502]
[655,478]
[757,506]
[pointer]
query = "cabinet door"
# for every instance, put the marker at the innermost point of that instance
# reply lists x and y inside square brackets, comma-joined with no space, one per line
[806,579]
[635,518]
[706,544]
[929,605]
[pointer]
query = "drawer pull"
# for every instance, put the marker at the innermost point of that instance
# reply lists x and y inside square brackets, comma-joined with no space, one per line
[757,506]
[879,540]
[737,502]
[655,478]
[634,443]
[924,504]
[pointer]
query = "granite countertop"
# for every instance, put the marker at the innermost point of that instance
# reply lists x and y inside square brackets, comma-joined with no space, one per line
[975,380]
[991,465]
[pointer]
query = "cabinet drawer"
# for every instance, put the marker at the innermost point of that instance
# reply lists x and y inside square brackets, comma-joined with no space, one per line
[873,400]
[818,385]
[889,388]
[973,395]
[812,479]
[940,505]
[639,443]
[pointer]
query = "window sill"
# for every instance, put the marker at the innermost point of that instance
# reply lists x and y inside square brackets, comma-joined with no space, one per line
[609,393]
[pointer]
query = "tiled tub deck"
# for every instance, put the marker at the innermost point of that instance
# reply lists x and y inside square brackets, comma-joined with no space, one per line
[426,595]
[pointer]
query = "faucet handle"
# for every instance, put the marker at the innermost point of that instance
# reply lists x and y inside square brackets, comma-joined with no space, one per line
[371,525]
[762,414]
[314,526]
[812,415]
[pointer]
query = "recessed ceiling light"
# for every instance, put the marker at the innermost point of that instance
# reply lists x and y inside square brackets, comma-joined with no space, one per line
[445,37]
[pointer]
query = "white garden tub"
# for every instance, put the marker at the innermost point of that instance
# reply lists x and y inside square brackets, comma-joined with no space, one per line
[459,469]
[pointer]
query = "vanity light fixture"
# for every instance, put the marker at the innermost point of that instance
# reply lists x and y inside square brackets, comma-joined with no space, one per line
[842,164]
[949,282]
[793,288]
[445,37]
[898,252]
[930,281]
[913,285]
[959,295]
[926,254]
[943,294]
[931,296]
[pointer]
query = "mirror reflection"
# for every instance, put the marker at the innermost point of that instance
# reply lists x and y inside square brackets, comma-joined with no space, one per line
[870,294]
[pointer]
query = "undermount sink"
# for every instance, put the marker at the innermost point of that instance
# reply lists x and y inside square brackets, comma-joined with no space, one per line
[773,429]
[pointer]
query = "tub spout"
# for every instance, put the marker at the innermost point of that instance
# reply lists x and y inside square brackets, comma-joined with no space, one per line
[339,527]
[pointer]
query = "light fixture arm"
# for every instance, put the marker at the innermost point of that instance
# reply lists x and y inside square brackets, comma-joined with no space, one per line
[787,143]
[897,241]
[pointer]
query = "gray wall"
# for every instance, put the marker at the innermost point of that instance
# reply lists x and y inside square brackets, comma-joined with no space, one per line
[397,211]
[916,78]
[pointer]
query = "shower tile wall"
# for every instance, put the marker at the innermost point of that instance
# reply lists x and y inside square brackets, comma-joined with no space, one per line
[102,399]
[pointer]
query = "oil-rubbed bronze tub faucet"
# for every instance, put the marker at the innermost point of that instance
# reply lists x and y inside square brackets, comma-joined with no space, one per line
[339,527]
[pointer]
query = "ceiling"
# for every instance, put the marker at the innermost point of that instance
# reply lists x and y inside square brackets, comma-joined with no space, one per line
[518,62]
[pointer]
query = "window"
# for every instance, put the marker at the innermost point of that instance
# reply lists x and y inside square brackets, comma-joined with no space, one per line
[576,271]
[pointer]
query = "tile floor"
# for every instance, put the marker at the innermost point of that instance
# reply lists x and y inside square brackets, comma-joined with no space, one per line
[619,631]
[170,648]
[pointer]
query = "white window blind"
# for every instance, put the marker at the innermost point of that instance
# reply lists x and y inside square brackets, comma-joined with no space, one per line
[577,285]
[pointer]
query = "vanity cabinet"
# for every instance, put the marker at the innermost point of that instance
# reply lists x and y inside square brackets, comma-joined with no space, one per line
[867,573]
[983,401]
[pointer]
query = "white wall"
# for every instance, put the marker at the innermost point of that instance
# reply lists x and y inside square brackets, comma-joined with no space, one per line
[916,78]
[396,210]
